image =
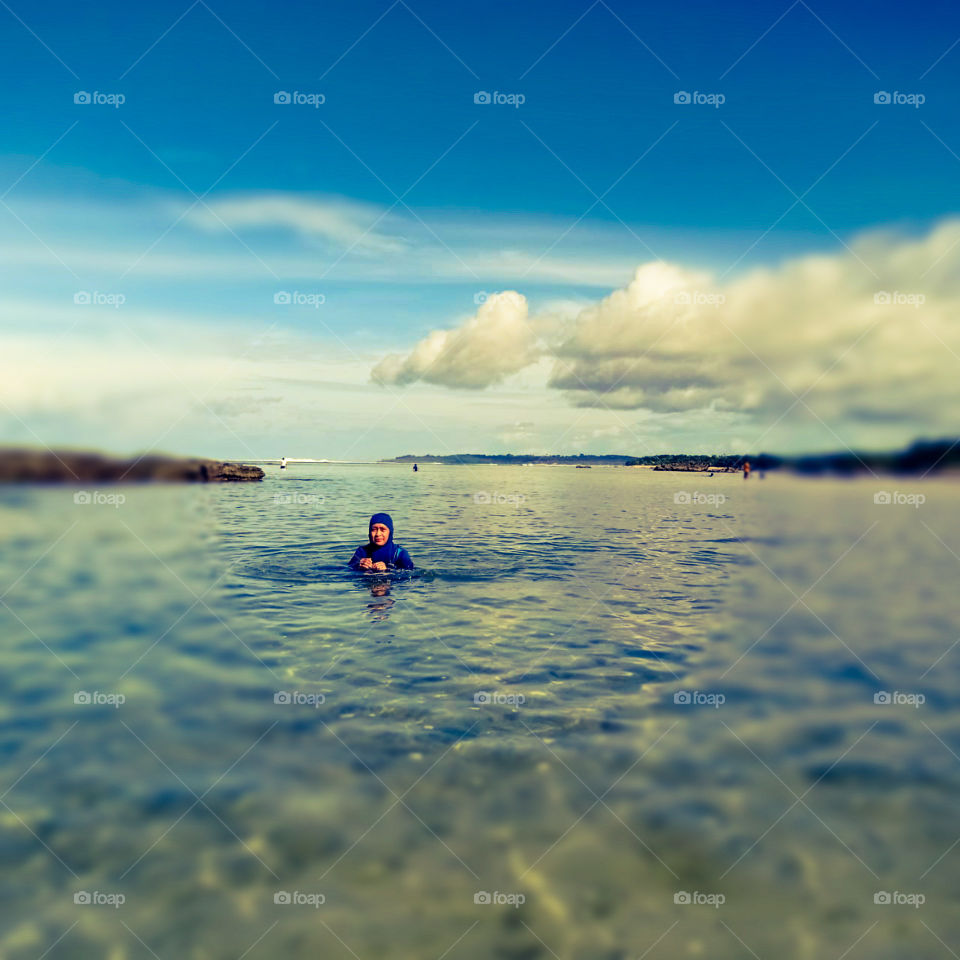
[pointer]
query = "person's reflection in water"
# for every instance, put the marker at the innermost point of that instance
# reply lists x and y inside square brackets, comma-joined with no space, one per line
[380,611]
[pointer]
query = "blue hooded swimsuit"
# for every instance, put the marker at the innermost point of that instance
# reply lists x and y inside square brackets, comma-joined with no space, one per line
[390,553]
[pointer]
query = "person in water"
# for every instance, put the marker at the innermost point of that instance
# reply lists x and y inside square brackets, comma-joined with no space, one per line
[381,552]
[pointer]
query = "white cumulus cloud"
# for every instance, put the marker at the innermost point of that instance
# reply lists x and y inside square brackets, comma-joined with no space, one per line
[868,334]
[496,341]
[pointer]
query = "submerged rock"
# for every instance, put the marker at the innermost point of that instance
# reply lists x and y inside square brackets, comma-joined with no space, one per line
[70,466]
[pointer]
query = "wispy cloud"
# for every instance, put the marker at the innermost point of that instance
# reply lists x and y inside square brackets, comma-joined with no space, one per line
[341,223]
[267,237]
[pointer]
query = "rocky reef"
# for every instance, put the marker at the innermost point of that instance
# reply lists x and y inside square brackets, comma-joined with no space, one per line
[70,466]
[695,466]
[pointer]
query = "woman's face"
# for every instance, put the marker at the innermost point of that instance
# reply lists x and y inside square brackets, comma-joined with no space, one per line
[379,534]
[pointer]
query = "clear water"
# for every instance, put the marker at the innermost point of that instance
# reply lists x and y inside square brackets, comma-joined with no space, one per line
[587,605]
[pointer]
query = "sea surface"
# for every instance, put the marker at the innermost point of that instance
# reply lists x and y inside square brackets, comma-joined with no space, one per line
[613,714]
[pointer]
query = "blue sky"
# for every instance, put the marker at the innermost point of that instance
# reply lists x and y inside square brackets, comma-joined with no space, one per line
[403,205]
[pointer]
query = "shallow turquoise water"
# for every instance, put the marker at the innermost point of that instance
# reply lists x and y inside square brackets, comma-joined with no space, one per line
[590,696]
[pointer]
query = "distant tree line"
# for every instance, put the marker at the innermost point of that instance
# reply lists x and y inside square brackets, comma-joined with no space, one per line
[922,456]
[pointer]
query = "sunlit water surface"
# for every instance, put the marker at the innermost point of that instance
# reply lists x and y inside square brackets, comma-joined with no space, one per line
[589,695]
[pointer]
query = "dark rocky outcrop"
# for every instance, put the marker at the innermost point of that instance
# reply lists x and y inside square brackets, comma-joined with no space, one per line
[692,462]
[70,466]
[695,467]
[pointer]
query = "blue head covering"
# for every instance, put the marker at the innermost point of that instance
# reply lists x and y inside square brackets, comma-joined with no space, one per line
[390,553]
[387,551]
[386,520]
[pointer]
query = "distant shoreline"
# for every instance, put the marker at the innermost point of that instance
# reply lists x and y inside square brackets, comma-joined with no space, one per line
[24,465]
[921,457]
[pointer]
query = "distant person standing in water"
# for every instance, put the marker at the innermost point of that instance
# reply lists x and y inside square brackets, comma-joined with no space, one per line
[381,552]
[283,464]
[746,469]
[414,468]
